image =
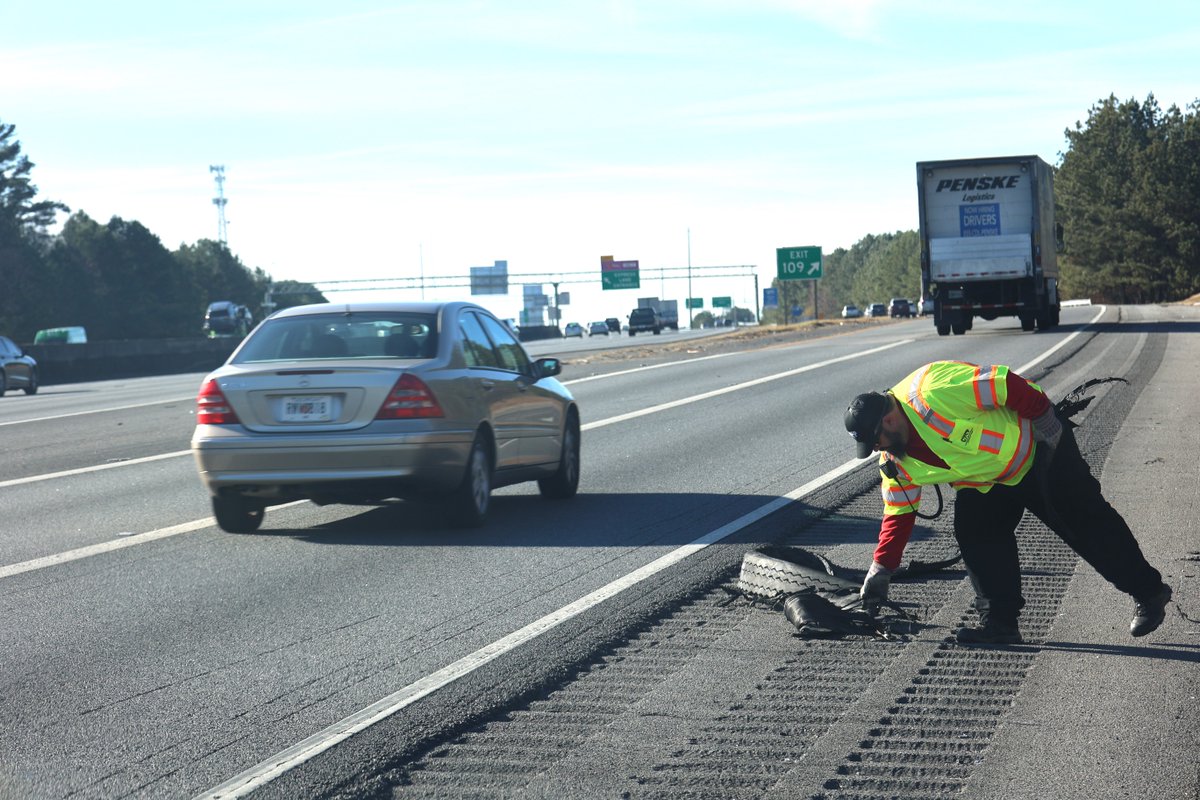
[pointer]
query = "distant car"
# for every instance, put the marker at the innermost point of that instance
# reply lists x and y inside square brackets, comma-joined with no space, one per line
[365,402]
[899,307]
[644,319]
[877,310]
[17,370]
[573,329]
[597,329]
[614,324]
[851,312]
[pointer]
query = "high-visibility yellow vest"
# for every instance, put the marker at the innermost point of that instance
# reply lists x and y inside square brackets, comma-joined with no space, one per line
[958,411]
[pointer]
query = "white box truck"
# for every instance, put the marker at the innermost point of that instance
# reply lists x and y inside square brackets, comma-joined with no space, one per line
[989,244]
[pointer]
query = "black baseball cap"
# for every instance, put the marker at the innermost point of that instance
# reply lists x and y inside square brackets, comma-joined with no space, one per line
[864,420]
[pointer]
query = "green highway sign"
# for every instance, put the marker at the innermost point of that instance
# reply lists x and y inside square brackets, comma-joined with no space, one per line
[695,302]
[620,280]
[619,274]
[722,302]
[798,263]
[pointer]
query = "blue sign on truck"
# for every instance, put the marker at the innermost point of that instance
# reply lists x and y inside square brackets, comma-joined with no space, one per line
[979,220]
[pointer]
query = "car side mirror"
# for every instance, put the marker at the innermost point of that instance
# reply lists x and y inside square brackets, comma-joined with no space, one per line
[547,368]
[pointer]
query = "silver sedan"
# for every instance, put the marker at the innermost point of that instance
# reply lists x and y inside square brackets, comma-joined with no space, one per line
[367,402]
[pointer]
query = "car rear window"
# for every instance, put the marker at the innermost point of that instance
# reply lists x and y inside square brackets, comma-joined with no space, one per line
[358,335]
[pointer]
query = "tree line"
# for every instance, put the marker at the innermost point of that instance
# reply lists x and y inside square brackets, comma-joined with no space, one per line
[115,279]
[1126,191]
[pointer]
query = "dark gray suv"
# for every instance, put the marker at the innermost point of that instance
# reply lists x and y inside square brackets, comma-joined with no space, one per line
[644,319]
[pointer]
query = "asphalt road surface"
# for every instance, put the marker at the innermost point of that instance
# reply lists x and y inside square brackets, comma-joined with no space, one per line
[589,648]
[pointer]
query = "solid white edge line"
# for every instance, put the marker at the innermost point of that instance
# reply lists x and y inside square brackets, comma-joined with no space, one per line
[266,771]
[1026,367]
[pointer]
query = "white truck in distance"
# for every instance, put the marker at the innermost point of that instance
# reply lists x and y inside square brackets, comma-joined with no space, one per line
[988,241]
[668,310]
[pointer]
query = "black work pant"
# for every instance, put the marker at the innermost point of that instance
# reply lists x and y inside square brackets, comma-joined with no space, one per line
[1066,497]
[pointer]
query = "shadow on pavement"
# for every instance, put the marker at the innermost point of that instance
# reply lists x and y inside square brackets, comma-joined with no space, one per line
[1173,651]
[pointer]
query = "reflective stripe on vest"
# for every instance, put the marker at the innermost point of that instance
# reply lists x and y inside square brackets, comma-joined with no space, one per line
[899,496]
[930,417]
[958,410]
[985,388]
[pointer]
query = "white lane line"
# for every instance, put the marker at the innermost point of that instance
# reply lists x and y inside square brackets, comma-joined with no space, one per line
[1026,367]
[103,547]
[189,399]
[588,426]
[648,366]
[97,468]
[737,387]
[115,544]
[266,771]
[28,566]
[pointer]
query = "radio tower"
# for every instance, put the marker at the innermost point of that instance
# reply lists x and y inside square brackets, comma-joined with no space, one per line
[219,201]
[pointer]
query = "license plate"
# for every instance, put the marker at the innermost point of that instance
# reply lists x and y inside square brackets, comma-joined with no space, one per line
[317,408]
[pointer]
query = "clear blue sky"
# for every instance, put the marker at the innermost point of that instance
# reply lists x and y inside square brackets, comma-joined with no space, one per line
[372,139]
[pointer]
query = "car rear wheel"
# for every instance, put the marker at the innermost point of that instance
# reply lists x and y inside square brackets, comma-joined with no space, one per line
[3,384]
[237,514]
[468,504]
[33,383]
[564,482]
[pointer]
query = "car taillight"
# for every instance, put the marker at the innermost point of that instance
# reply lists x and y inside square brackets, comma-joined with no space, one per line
[410,398]
[212,408]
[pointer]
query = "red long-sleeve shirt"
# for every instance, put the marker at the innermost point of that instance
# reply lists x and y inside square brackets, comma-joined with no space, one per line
[895,530]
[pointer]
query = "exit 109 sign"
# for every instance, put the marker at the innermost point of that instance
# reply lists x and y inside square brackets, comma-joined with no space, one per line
[798,263]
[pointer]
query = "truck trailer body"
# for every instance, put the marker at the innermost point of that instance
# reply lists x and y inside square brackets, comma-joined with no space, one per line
[988,241]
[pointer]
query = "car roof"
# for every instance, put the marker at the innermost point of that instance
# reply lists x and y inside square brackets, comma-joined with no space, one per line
[415,307]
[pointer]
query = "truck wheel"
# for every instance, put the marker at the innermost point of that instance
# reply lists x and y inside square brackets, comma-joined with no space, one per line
[631,331]
[943,329]
[1027,323]
[958,328]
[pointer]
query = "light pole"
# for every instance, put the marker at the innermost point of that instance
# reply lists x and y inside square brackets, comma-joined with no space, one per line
[688,300]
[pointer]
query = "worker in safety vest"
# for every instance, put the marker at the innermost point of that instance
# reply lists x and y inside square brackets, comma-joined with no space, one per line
[996,438]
